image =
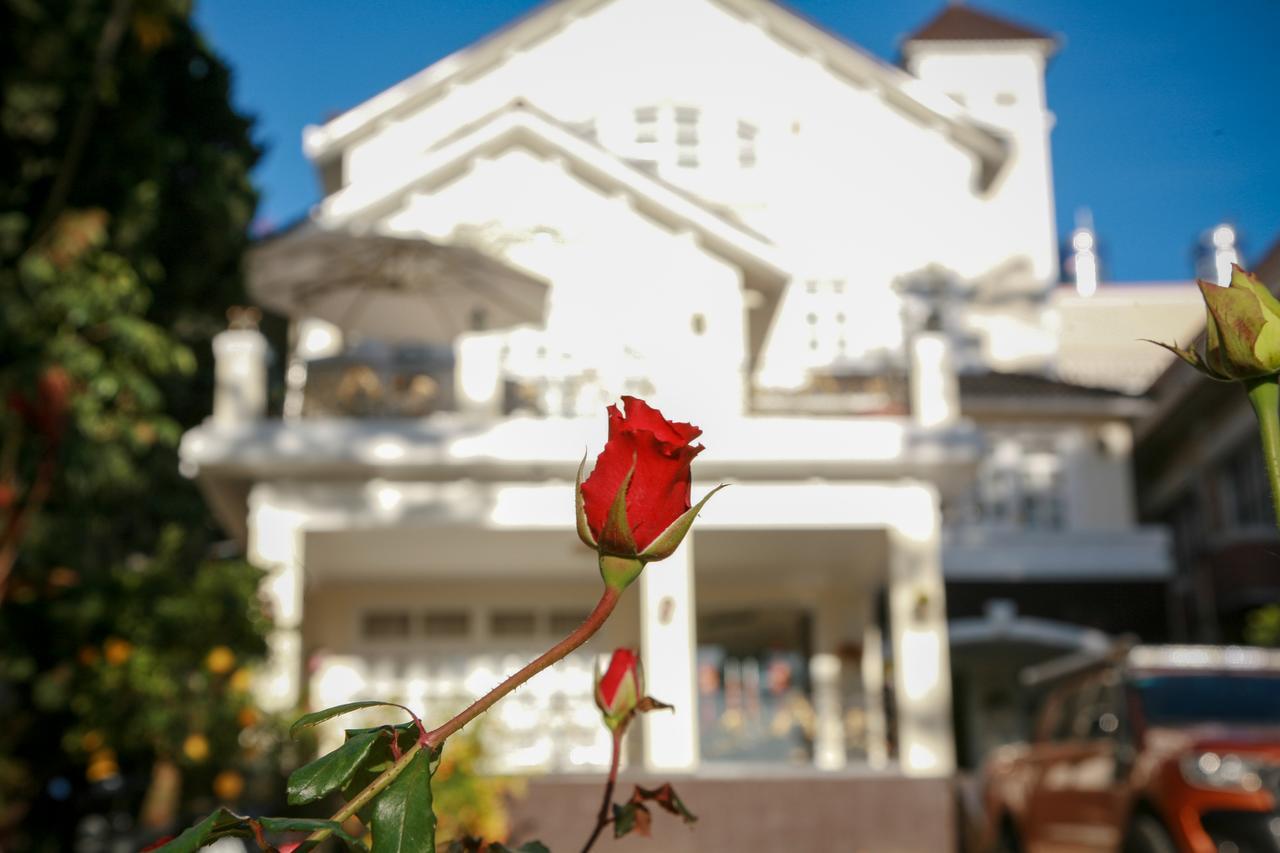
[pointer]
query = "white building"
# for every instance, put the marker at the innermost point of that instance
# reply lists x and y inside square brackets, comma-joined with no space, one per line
[843,270]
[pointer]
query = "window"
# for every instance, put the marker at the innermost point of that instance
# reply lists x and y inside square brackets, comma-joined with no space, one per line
[746,145]
[646,124]
[443,624]
[1019,484]
[1245,494]
[561,622]
[385,624]
[686,137]
[513,623]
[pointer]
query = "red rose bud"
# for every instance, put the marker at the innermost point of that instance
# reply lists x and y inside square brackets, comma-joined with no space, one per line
[47,414]
[53,401]
[619,690]
[634,508]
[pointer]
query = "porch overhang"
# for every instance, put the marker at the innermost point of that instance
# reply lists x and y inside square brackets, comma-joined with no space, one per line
[459,453]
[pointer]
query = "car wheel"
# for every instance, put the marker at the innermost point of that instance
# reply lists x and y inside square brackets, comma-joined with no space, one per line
[1148,835]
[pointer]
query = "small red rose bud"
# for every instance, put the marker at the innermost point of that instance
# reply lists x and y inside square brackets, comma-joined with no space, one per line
[635,506]
[620,689]
[52,402]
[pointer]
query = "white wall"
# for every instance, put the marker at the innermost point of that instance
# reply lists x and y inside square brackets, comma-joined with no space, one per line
[850,186]
[1003,85]
[630,301]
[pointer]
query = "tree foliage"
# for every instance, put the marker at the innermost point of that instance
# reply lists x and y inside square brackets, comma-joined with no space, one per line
[125,202]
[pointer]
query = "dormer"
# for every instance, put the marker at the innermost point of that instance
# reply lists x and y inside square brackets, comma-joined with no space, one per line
[995,69]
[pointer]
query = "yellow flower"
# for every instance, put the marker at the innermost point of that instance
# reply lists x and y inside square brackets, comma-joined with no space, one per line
[116,650]
[241,681]
[196,747]
[102,765]
[228,785]
[220,660]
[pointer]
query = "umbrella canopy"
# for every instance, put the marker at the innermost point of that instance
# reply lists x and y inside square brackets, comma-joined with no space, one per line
[394,289]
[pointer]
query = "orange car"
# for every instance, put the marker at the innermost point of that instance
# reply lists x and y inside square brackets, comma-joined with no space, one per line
[1154,749]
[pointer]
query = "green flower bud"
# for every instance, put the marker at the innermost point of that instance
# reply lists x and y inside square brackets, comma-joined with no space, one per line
[1242,331]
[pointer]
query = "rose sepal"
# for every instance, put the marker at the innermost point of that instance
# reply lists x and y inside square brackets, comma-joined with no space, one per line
[669,540]
[580,507]
[619,572]
[616,537]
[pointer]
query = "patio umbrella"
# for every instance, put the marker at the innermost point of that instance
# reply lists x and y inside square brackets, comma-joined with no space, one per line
[393,289]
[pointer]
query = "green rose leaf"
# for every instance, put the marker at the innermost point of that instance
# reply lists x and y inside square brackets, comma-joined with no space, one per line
[632,817]
[315,718]
[380,757]
[308,825]
[220,824]
[332,771]
[666,797]
[400,816]
[225,823]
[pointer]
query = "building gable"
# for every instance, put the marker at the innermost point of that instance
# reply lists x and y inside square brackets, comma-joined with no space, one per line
[746,39]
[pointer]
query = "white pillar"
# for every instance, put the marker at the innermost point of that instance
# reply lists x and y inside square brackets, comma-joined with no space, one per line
[240,376]
[478,381]
[873,696]
[829,747]
[668,644]
[935,391]
[275,545]
[918,621]
[313,339]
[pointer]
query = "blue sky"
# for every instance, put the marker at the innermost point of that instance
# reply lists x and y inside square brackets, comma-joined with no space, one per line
[1168,111]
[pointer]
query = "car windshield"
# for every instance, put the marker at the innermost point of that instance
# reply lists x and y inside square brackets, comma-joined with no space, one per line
[1175,699]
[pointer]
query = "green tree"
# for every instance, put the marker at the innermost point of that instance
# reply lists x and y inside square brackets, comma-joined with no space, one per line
[125,202]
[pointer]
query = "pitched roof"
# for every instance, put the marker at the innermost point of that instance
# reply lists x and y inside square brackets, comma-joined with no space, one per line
[521,122]
[959,22]
[996,393]
[898,88]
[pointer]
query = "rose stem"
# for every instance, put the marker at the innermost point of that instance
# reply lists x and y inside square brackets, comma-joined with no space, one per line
[435,737]
[1264,394]
[602,819]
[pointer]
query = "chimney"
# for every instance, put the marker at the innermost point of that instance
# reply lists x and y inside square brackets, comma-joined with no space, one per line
[1083,262]
[1216,253]
[935,390]
[240,370]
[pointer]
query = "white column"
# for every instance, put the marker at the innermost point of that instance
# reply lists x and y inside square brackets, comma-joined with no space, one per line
[313,339]
[668,644]
[239,376]
[275,545]
[829,747]
[873,693]
[478,383]
[918,621]
[935,390]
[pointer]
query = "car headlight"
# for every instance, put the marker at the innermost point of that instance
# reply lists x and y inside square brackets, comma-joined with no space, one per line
[1222,771]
